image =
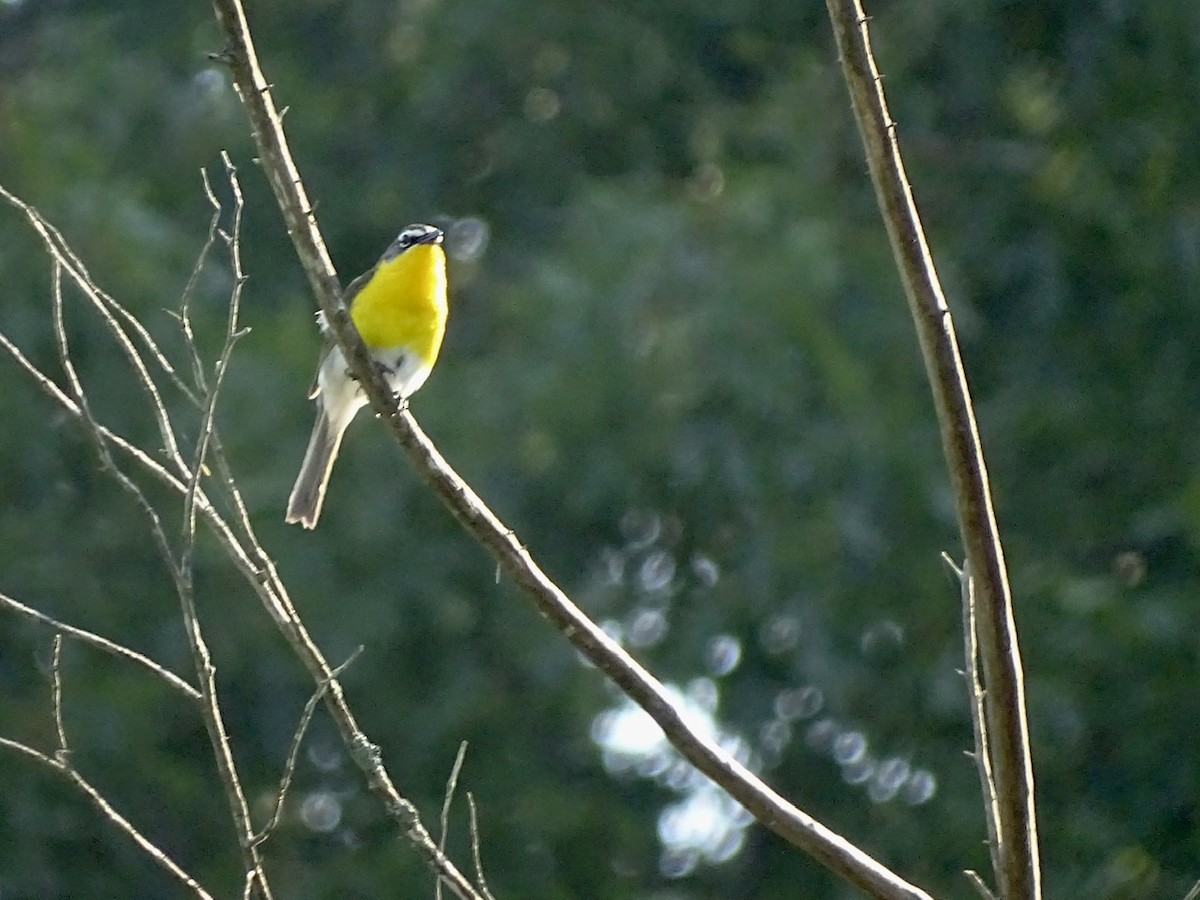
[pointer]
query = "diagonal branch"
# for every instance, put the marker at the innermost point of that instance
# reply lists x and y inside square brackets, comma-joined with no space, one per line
[767,806]
[1020,875]
[62,767]
[102,643]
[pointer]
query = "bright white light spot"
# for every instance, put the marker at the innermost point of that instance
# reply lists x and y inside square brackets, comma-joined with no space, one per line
[612,566]
[728,846]
[321,811]
[775,735]
[641,528]
[467,239]
[657,571]
[628,731]
[325,755]
[706,824]
[882,638]
[724,654]
[649,626]
[675,864]
[920,788]
[705,570]
[849,747]
[860,771]
[209,82]
[821,734]
[890,776]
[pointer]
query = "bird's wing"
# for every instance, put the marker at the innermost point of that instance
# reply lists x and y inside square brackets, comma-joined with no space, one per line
[352,290]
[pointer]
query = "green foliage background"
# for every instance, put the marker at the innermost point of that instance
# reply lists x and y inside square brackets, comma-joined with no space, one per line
[681,368]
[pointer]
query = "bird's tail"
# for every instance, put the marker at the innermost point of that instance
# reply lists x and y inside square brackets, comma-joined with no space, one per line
[304,505]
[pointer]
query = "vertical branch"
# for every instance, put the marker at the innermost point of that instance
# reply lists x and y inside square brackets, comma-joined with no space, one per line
[982,753]
[1020,876]
[63,750]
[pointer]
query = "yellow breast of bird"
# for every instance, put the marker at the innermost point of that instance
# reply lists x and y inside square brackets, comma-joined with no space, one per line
[404,303]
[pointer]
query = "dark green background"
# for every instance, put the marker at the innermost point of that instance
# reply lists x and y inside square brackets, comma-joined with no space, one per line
[682,352]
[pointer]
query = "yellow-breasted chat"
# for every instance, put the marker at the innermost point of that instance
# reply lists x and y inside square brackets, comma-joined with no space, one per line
[399,308]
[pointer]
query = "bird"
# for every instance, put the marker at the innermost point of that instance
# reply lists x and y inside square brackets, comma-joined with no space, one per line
[399,308]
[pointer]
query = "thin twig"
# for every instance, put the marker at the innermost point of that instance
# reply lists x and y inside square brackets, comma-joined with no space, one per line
[476,856]
[289,768]
[60,729]
[447,800]
[1194,893]
[1019,877]
[61,767]
[978,883]
[232,239]
[184,315]
[102,643]
[979,725]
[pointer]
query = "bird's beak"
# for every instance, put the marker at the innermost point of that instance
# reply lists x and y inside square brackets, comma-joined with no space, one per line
[432,237]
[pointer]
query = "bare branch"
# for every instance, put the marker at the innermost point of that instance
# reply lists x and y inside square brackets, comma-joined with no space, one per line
[447,800]
[979,724]
[61,767]
[101,643]
[289,768]
[1008,729]
[63,750]
[984,891]
[475,853]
